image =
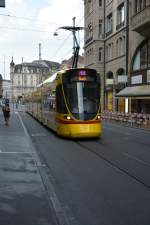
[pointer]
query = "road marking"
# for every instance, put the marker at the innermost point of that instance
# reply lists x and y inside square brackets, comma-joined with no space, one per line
[1,152]
[25,130]
[38,135]
[136,159]
[59,211]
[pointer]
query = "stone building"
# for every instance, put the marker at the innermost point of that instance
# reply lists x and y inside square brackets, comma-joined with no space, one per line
[105,46]
[6,84]
[138,90]
[116,44]
[5,88]
[67,63]
[1,86]
[26,76]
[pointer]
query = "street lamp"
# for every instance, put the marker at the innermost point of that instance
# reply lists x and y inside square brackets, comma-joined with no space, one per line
[76,46]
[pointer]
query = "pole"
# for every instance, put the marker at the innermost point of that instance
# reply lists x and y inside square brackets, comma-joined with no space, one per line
[4,67]
[22,78]
[76,46]
[74,18]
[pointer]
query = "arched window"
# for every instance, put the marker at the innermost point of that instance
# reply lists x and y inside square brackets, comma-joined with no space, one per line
[120,46]
[141,59]
[106,52]
[136,62]
[109,75]
[120,71]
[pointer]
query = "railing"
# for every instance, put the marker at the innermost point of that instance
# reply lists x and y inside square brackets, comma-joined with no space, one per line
[119,25]
[108,32]
[88,40]
[140,21]
[140,120]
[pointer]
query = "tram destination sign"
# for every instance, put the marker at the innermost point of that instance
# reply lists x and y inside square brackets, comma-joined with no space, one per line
[2,3]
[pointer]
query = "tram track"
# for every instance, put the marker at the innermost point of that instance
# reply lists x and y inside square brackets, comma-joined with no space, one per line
[113,164]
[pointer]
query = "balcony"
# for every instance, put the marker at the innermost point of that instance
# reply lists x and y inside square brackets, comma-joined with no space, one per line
[140,22]
[88,40]
[120,25]
[108,33]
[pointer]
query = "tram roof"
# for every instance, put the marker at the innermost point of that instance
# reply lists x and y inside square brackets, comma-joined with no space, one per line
[48,80]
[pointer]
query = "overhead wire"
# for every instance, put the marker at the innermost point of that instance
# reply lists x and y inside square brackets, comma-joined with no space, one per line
[27,18]
[24,29]
[33,30]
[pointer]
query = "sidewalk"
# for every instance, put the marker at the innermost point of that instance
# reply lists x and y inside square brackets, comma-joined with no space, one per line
[23,199]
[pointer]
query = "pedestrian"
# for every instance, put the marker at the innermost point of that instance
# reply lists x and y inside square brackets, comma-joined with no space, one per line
[6,113]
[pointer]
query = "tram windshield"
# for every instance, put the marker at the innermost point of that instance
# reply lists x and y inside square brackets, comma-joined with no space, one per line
[83,97]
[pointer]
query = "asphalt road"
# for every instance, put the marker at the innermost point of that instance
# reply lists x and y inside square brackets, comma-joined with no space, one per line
[103,181]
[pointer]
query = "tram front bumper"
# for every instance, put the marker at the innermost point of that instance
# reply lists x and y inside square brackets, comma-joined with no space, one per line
[80,130]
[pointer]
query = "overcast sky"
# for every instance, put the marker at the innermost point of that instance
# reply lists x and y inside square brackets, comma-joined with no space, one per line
[26,23]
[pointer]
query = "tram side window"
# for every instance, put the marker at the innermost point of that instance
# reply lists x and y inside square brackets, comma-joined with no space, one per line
[60,103]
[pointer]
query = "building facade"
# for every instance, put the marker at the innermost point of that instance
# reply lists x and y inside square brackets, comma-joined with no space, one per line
[138,90]
[6,84]
[117,45]
[67,63]
[105,46]
[26,76]
[1,86]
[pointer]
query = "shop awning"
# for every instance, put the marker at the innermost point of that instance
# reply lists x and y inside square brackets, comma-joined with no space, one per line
[136,91]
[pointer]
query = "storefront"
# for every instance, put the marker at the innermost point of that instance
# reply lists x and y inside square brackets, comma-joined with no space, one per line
[138,90]
[138,98]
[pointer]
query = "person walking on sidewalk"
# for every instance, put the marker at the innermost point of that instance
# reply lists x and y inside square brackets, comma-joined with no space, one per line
[6,113]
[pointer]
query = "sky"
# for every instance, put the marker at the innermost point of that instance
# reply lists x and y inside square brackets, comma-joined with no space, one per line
[26,23]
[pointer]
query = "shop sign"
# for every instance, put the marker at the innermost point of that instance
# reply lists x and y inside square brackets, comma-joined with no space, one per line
[122,78]
[148,76]
[136,79]
[109,81]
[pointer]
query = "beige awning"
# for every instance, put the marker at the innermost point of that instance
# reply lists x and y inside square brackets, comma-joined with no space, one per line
[136,91]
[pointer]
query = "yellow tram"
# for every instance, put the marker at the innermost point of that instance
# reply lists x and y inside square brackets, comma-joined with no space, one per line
[69,103]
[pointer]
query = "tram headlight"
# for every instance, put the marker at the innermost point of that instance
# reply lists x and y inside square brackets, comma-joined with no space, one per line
[68,118]
[98,117]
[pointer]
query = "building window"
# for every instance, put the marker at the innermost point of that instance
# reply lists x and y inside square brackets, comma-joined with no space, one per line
[19,81]
[100,54]
[120,16]
[139,5]
[106,52]
[144,4]
[117,48]
[100,3]
[25,80]
[100,29]
[121,46]
[136,63]
[109,24]
[148,47]
[90,26]
[142,58]
[31,80]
